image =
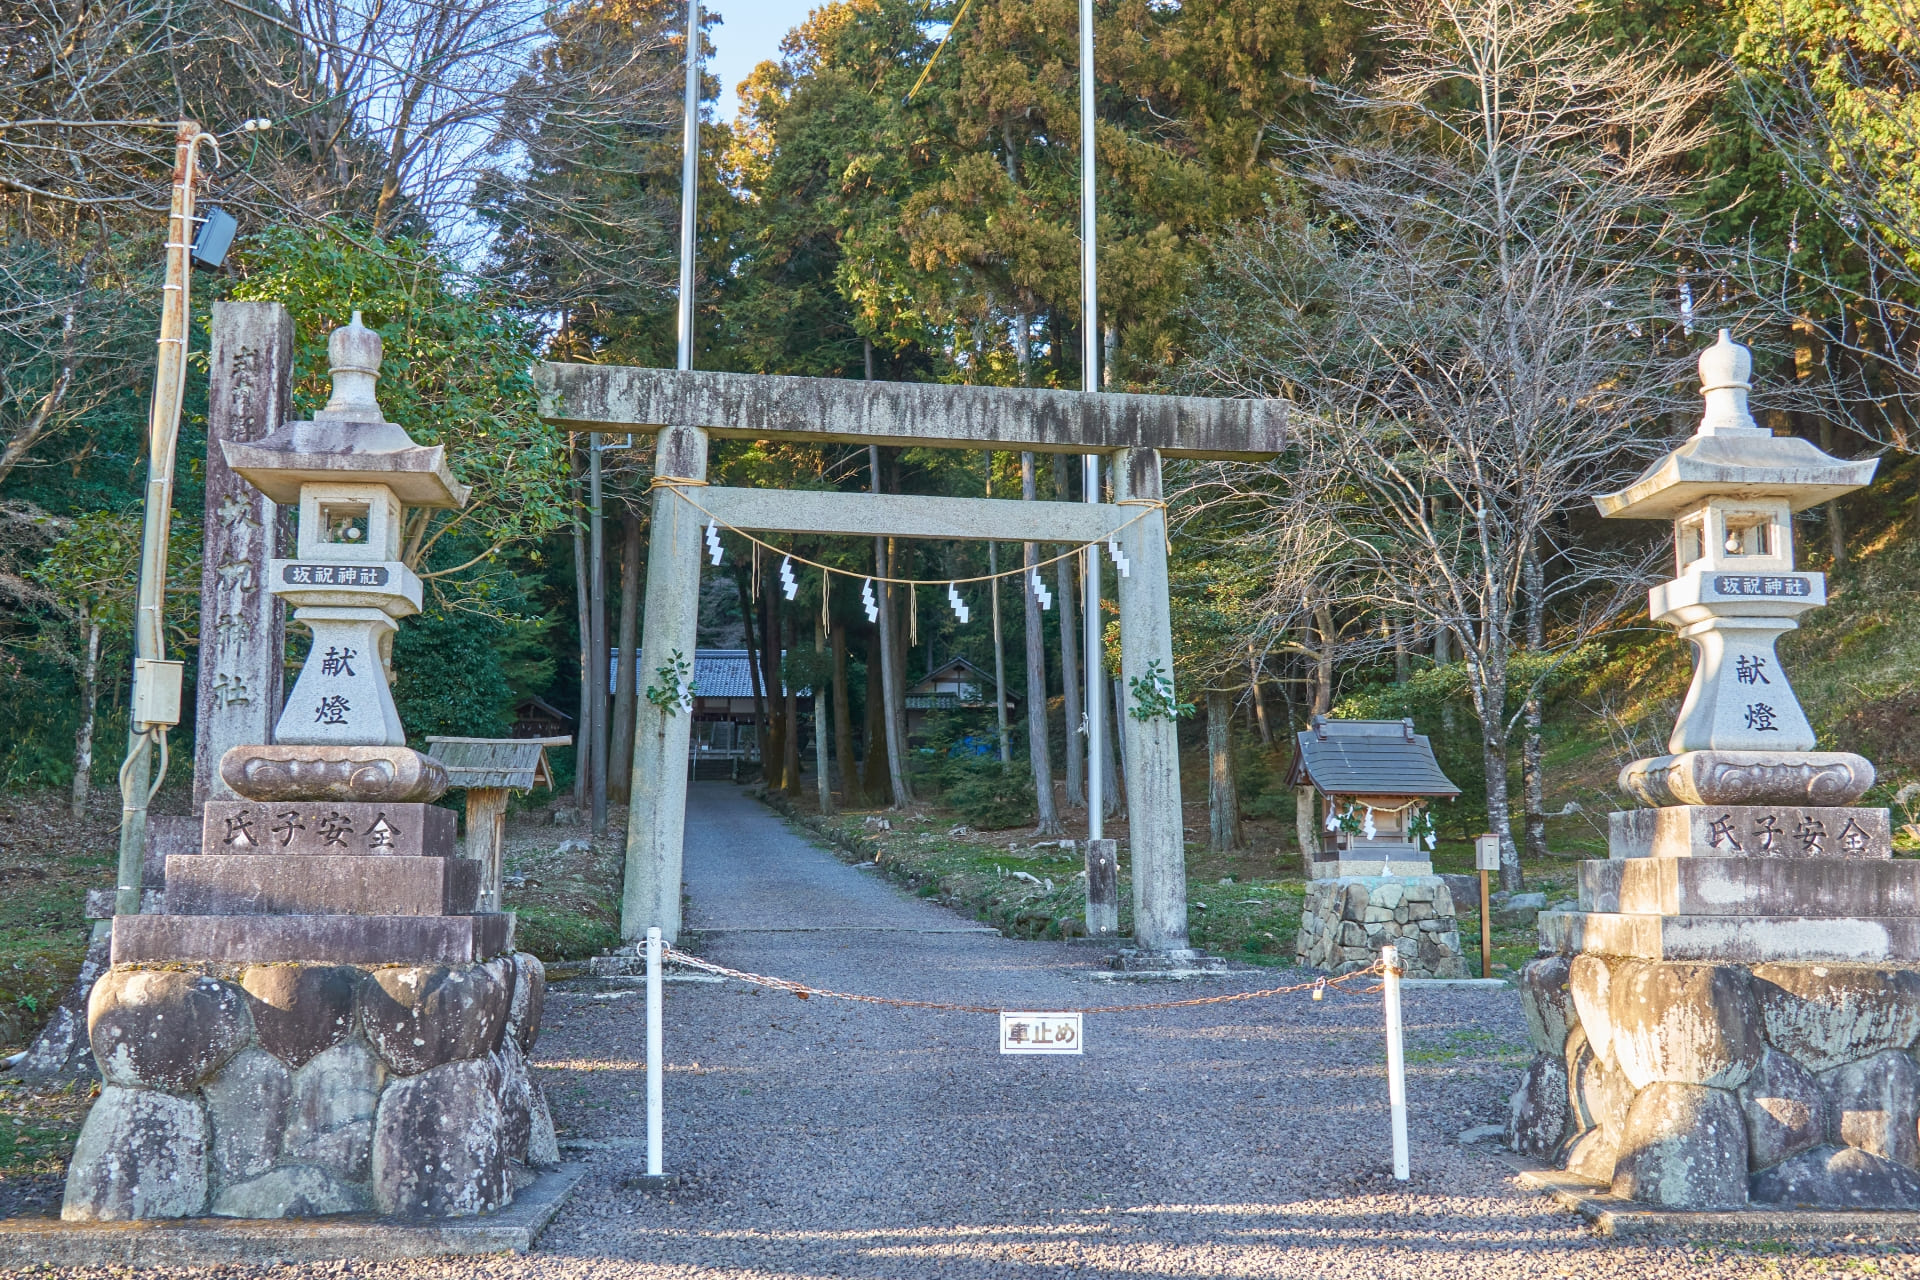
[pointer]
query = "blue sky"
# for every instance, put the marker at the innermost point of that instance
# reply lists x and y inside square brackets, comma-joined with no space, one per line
[749,33]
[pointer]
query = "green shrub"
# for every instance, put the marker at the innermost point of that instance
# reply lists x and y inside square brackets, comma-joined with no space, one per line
[987,795]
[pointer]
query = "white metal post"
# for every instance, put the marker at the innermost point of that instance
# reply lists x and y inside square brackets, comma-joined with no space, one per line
[656,1089]
[1090,381]
[1396,1061]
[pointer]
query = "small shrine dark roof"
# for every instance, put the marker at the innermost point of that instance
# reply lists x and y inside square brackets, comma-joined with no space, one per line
[516,763]
[1367,758]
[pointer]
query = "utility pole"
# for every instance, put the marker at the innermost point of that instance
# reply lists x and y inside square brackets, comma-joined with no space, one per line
[156,682]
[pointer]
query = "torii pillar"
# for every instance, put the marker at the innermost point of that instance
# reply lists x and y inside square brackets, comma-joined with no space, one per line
[687,408]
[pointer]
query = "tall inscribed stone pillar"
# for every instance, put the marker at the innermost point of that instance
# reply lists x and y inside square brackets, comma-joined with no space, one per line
[249,394]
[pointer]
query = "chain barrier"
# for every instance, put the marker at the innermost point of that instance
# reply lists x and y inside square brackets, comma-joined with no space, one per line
[804,992]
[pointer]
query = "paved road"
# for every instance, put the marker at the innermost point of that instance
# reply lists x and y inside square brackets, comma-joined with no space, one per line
[746,871]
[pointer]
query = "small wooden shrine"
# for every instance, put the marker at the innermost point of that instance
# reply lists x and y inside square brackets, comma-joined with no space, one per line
[1376,780]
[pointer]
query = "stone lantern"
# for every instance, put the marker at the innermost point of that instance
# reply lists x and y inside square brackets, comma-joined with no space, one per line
[1727,1017]
[351,474]
[1731,492]
[327,1016]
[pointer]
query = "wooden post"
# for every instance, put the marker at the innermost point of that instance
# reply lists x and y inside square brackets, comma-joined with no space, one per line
[1156,834]
[1486,930]
[486,839]
[242,625]
[1103,888]
[657,813]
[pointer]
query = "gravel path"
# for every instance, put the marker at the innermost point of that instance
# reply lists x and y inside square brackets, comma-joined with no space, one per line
[821,1138]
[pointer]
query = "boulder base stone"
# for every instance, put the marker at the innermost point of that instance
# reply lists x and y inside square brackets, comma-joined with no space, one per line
[1537,1114]
[330,1125]
[1763,1064]
[420,1016]
[529,1000]
[301,1009]
[1685,1147]
[164,1028]
[1785,1109]
[1590,984]
[1546,1003]
[1684,1024]
[1837,1178]
[247,1108]
[1825,1016]
[1874,1105]
[141,1154]
[438,1144]
[291,1191]
[307,1117]
[1594,1155]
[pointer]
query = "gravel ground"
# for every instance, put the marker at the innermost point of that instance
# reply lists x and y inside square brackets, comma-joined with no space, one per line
[821,1138]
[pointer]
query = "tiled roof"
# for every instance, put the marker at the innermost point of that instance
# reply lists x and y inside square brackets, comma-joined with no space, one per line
[1368,757]
[722,673]
[727,673]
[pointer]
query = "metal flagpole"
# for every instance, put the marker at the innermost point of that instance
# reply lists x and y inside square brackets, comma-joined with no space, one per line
[1090,381]
[689,183]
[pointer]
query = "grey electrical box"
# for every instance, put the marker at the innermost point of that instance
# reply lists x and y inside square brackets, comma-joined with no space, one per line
[215,238]
[156,692]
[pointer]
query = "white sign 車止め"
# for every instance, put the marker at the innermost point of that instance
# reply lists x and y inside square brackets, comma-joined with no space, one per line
[1040,1033]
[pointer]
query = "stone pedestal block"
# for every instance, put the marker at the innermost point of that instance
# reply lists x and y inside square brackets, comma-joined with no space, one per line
[391,1088]
[1345,922]
[313,939]
[268,884]
[1837,887]
[328,828]
[1753,831]
[1735,939]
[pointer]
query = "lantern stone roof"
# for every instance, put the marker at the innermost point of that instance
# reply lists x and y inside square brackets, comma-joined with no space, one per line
[1367,758]
[348,442]
[516,763]
[1731,456]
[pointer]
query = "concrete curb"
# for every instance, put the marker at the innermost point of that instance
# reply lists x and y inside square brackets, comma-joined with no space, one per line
[1613,1216]
[199,1242]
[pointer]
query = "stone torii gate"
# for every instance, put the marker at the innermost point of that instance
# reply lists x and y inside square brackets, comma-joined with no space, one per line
[685,409]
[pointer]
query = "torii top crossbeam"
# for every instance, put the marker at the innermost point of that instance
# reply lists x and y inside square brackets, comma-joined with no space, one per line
[593,397]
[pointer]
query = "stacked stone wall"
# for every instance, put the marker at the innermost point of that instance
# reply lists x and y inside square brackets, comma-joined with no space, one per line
[1703,1086]
[1345,922]
[294,1090]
